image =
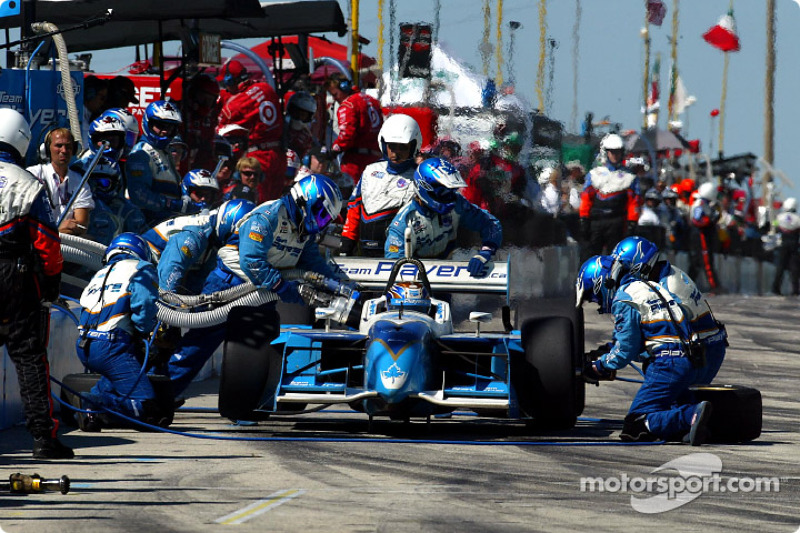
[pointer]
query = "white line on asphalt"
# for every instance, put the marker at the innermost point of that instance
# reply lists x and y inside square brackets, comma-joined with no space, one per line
[260,507]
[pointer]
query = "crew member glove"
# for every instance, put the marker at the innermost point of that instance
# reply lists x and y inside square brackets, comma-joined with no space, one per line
[50,285]
[595,372]
[585,229]
[347,247]
[288,292]
[475,266]
[180,205]
[597,353]
[632,224]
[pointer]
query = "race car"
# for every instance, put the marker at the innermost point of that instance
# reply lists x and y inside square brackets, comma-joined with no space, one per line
[400,356]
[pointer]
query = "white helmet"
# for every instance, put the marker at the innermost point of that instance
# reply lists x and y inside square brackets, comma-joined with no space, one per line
[790,204]
[400,128]
[14,130]
[707,191]
[612,141]
[545,175]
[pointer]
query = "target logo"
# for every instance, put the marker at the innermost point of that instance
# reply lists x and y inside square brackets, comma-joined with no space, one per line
[268,113]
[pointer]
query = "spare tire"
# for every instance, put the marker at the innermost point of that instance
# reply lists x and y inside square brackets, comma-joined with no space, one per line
[736,416]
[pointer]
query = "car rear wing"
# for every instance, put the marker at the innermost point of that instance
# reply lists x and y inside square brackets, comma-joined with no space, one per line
[443,274]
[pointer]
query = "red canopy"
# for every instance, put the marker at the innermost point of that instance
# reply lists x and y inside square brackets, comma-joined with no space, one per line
[319,48]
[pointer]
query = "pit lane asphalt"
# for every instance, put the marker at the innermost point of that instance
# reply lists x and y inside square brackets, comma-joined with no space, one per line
[130,481]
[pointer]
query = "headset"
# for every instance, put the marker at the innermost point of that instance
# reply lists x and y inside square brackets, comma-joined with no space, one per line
[44,148]
[306,161]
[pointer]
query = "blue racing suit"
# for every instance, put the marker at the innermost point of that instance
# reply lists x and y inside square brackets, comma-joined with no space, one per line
[197,245]
[158,235]
[644,329]
[107,220]
[119,307]
[187,259]
[154,184]
[434,234]
[270,242]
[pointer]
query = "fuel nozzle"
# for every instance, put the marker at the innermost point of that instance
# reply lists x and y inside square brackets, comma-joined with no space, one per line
[25,484]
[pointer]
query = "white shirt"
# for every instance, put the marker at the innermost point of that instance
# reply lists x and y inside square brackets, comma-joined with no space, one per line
[61,192]
[550,200]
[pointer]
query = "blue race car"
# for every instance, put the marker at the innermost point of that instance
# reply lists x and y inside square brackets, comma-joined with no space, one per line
[401,357]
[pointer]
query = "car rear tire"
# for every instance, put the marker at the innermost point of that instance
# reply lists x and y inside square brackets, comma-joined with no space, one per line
[545,383]
[736,416]
[247,359]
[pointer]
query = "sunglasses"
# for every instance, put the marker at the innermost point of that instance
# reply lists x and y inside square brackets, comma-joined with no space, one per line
[248,173]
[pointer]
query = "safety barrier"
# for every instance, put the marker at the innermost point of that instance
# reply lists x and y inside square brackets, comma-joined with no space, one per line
[535,273]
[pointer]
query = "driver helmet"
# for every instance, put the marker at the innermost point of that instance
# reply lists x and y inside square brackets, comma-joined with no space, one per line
[108,127]
[408,296]
[635,256]
[319,200]
[203,184]
[438,182]
[790,205]
[165,115]
[594,283]
[130,246]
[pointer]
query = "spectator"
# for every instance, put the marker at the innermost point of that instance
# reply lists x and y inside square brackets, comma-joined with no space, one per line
[62,183]
[95,94]
[359,120]
[200,120]
[29,238]
[256,107]
[245,180]
[788,253]
[703,237]
[385,187]
[550,197]
[610,200]
[121,93]
[300,110]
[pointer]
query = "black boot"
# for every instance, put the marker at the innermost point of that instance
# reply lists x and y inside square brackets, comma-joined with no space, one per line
[634,429]
[50,448]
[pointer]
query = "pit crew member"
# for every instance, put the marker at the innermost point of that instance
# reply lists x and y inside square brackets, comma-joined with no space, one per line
[649,326]
[435,214]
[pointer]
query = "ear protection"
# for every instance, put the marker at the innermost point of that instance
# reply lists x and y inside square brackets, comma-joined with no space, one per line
[306,161]
[44,148]
[346,86]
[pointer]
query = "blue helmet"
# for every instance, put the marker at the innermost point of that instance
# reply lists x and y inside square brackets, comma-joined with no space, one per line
[203,184]
[438,182]
[594,283]
[635,256]
[228,217]
[319,201]
[408,295]
[108,127]
[164,115]
[128,244]
[132,130]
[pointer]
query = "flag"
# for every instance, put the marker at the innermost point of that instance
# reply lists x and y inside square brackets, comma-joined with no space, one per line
[723,35]
[679,100]
[652,98]
[656,11]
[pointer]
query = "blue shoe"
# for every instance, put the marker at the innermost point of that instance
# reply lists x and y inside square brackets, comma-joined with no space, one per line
[699,433]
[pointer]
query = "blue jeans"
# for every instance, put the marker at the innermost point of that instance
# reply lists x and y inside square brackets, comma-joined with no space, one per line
[665,397]
[198,345]
[123,386]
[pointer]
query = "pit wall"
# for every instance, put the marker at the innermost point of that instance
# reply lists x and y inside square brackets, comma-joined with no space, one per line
[535,273]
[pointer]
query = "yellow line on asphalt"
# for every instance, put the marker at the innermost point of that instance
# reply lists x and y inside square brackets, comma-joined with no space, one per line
[259,507]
